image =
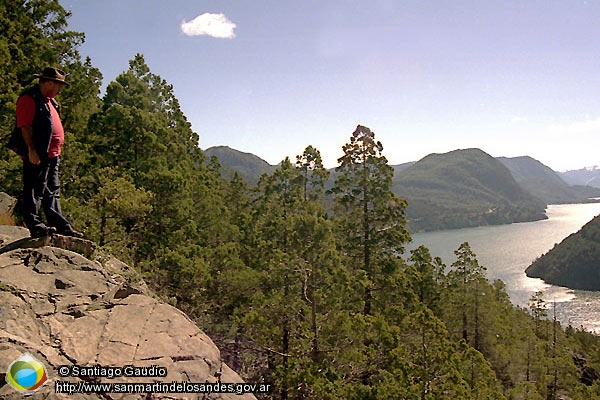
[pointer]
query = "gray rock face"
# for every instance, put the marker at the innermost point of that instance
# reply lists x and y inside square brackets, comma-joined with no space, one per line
[81,246]
[7,203]
[66,310]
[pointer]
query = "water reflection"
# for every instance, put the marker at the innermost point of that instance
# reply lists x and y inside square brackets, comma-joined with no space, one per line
[507,250]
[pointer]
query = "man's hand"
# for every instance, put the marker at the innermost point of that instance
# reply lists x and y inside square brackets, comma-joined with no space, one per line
[34,158]
[27,132]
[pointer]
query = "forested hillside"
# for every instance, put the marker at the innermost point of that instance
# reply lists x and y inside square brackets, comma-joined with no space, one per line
[320,300]
[464,188]
[545,184]
[458,189]
[574,262]
[246,165]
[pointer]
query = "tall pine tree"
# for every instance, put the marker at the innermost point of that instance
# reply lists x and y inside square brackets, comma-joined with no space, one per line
[371,218]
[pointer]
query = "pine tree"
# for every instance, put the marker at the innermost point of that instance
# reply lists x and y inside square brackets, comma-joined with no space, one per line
[469,278]
[427,276]
[143,137]
[314,175]
[371,219]
[292,320]
[34,35]
[537,306]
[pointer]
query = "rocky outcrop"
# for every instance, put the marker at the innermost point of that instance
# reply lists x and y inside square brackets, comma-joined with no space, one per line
[67,310]
[81,246]
[7,203]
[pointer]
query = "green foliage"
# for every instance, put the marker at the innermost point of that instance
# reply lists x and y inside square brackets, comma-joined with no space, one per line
[573,262]
[122,209]
[371,219]
[463,188]
[34,35]
[320,303]
[426,275]
[545,184]
[246,165]
[314,175]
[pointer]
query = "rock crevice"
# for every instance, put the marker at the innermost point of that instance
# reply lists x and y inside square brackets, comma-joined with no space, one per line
[65,309]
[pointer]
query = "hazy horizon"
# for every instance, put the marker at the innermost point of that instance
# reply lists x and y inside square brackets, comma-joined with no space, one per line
[512,78]
[292,158]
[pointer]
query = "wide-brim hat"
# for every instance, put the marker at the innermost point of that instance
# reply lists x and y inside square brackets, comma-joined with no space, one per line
[53,74]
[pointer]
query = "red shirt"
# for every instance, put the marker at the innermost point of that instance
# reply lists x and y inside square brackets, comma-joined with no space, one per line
[26,112]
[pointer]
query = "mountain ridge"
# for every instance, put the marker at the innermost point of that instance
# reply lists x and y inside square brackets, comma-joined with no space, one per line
[585,176]
[247,165]
[593,170]
[546,184]
[536,186]
[463,188]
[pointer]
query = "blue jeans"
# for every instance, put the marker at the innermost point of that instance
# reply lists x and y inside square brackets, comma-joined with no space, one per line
[41,189]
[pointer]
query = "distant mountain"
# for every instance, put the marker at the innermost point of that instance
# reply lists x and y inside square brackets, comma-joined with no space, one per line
[546,184]
[574,262]
[458,189]
[463,188]
[402,167]
[247,165]
[585,176]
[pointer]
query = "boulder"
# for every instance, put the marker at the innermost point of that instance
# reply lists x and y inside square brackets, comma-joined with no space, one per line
[7,203]
[71,312]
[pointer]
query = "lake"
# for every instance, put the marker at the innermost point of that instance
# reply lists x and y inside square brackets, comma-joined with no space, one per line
[507,250]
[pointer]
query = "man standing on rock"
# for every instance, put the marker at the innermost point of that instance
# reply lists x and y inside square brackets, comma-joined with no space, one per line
[38,139]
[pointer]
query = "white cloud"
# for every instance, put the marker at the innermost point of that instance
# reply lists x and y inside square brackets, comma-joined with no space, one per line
[215,25]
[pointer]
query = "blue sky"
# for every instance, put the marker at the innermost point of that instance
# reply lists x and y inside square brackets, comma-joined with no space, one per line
[513,77]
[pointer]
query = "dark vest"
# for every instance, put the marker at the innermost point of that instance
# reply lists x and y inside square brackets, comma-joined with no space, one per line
[42,126]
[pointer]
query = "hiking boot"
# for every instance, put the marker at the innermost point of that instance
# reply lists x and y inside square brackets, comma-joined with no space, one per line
[42,231]
[69,231]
